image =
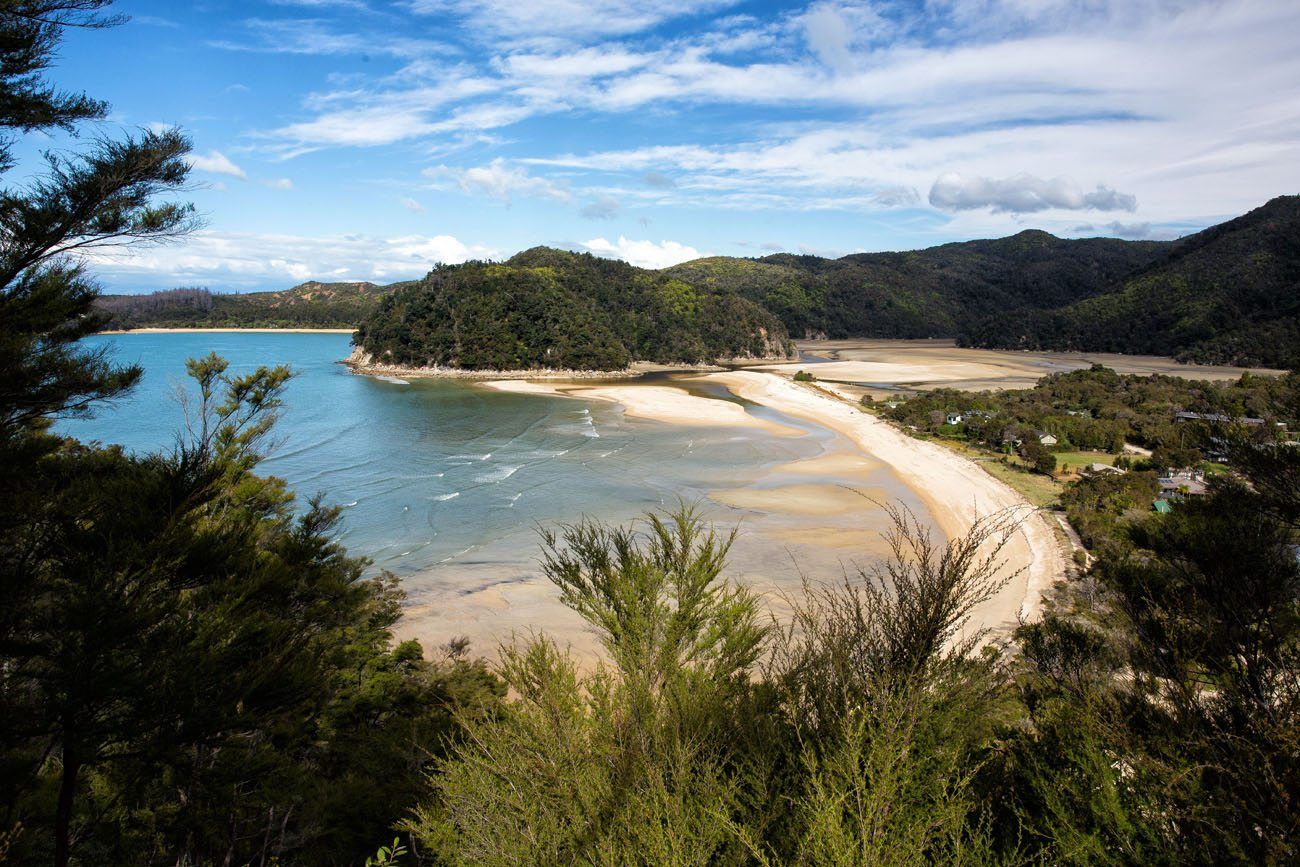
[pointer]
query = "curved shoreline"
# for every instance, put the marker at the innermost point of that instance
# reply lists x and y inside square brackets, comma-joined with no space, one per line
[955,490]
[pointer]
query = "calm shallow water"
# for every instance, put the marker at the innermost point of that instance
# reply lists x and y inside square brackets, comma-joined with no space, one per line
[436,472]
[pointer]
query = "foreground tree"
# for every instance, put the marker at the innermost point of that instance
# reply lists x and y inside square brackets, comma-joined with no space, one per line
[639,760]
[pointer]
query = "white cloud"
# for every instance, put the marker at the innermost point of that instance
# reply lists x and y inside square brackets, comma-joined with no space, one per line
[500,181]
[412,205]
[225,260]
[1133,231]
[1023,194]
[643,254]
[279,184]
[538,19]
[829,36]
[311,36]
[217,163]
[604,208]
[1183,106]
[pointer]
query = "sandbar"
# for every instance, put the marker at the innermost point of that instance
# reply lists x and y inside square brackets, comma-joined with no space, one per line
[655,402]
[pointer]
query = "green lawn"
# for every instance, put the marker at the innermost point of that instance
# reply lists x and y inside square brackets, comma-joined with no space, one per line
[1037,488]
[1076,460]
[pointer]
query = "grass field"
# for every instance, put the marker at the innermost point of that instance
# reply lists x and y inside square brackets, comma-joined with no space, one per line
[1037,488]
[1075,460]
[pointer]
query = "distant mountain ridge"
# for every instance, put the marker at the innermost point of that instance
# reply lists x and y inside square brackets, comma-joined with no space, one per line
[1229,294]
[312,304]
[936,292]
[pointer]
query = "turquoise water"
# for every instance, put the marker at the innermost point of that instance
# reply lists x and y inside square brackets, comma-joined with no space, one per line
[445,483]
[439,472]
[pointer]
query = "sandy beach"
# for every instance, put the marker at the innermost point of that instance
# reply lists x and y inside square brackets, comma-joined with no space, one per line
[955,491]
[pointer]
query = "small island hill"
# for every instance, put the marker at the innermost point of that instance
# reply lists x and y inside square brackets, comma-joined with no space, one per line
[552,312]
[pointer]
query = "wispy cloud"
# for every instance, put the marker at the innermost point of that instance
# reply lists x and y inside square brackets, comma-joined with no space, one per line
[315,36]
[217,163]
[643,254]
[538,19]
[1024,194]
[604,208]
[499,180]
[266,261]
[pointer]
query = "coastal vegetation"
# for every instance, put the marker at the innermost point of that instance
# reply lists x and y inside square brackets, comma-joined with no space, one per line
[1225,295]
[547,308]
[1100,410]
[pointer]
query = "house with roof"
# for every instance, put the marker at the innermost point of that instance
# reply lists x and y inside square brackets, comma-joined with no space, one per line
[1216,418]
[1046,438]
[1177,484]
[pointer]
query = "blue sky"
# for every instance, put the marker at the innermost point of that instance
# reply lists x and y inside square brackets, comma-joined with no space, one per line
[369,139]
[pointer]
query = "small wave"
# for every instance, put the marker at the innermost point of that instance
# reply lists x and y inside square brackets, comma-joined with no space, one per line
[469,457]
[500,474]
[592,434]
[444,497]
[395,381]
[349,505]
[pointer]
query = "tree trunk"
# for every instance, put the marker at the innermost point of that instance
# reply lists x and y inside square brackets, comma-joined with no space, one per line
[67,791]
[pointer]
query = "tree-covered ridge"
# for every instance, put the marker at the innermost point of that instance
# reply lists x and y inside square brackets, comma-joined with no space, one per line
[307,305]
[1229,294]
[547,308]
[937,292]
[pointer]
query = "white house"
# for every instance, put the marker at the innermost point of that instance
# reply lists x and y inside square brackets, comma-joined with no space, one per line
[1046,439]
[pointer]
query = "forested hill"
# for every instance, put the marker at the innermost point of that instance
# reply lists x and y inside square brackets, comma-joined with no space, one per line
[307,305]
[548,308]
[937,292]
[1229,294]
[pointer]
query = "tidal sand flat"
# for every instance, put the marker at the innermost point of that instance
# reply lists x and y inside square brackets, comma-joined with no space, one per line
[884,366]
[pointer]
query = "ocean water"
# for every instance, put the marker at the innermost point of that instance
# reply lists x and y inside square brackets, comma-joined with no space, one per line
[446,483]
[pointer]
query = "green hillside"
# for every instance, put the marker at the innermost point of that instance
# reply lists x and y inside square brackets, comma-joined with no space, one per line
[547,308]
[1229,294]
[307,305]
[937,292]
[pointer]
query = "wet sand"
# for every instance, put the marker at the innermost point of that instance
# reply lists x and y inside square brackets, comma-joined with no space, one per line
[883,367]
